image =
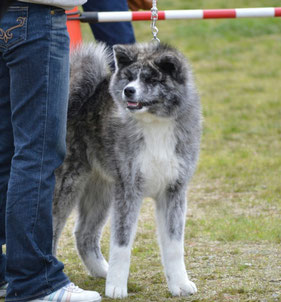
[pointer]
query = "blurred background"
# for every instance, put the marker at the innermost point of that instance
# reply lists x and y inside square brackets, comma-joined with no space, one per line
[233,231]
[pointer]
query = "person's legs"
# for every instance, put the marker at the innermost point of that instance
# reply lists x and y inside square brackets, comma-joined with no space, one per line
[6,153]
[111,33]
[36,55]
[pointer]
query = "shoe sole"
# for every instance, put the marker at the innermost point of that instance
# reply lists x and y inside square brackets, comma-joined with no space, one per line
[39,300]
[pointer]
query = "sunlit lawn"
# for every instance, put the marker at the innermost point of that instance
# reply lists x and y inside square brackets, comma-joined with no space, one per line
[233,231]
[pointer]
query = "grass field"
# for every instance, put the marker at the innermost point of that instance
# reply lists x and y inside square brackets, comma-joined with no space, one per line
[233,231]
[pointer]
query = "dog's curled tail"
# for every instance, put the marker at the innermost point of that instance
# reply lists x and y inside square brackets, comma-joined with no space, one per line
[89,66]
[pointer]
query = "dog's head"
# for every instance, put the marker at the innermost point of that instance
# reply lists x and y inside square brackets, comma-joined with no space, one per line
[151,78]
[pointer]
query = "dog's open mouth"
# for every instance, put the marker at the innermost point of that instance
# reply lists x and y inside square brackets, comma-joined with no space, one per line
[138,106]
[134,105]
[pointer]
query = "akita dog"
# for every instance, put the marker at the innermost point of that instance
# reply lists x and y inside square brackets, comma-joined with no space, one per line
[131,134]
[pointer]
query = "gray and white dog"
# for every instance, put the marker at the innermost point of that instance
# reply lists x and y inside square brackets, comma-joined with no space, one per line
[131,135]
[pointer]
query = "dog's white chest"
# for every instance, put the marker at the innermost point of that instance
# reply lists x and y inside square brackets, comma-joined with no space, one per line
[159,163]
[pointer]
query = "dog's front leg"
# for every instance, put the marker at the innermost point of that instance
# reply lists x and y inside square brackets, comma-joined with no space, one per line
[170,211]
[123,227]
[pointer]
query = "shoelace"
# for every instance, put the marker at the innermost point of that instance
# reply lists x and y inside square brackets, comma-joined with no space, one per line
[5,286]
[71,286]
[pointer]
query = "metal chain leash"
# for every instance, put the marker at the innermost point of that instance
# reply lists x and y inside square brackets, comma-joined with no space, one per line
[154,18]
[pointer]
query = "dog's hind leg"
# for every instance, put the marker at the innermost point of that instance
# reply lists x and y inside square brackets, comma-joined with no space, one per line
[69,188]
[170,213]
[92,215]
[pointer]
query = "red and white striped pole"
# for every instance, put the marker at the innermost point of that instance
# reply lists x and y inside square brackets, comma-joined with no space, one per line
[97,17]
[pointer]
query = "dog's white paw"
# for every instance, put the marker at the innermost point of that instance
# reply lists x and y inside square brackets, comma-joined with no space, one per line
[98,269]
[183,289]
[116,292]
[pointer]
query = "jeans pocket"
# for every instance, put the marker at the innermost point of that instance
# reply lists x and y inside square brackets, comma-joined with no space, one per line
[13,27]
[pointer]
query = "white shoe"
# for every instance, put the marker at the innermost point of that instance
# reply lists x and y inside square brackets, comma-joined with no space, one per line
[71,293]
[3,290]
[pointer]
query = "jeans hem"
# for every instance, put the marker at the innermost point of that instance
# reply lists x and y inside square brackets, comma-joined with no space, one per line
[42,294]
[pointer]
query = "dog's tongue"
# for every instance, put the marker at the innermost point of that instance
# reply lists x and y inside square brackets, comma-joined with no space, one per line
[132,104]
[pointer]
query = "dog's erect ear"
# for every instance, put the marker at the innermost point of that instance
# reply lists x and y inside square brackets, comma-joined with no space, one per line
[170,64]
[123,56]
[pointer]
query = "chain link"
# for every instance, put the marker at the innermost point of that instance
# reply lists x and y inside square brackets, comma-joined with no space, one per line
[154,18]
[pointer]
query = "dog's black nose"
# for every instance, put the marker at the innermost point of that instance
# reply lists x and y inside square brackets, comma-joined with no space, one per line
[130,91]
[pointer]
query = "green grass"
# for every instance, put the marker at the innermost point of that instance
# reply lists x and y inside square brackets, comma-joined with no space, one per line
[233,231]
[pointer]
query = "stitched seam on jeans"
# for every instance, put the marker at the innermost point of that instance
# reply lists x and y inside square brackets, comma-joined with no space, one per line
[16,8]
[43,148]
[41,294]
[6,35]
[21,38]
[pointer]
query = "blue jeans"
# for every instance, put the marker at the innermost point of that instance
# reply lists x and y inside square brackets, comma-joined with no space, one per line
[111,33]
[34,73]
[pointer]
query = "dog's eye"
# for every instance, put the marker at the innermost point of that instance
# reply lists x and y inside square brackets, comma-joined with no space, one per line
[152,80]
[129,76]
[150,76]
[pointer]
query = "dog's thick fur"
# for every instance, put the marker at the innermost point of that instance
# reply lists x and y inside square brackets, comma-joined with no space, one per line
[130,135]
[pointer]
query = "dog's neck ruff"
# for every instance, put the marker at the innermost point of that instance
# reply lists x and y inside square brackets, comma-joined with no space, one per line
[147,119]
[158,152]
